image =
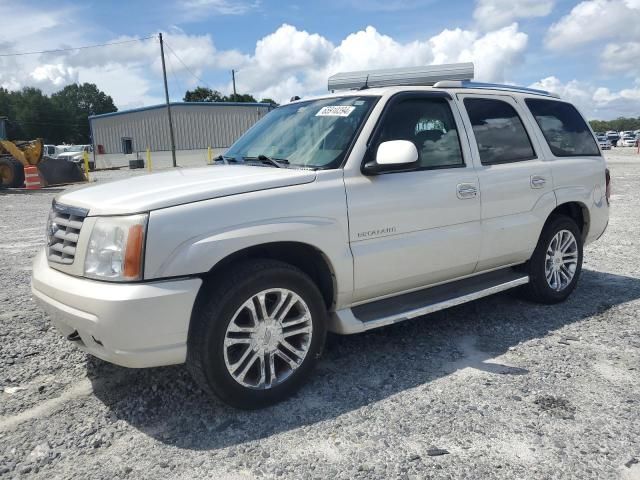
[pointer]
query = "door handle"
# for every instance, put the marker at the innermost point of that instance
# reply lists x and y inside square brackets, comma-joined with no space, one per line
[537,181]
[466,190]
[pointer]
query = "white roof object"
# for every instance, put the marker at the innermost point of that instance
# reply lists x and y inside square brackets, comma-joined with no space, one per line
[427,75]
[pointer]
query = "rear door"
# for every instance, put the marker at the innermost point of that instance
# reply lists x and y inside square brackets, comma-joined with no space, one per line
[515,180]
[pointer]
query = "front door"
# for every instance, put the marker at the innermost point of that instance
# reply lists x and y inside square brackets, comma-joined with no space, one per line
[414,228]
[516,182]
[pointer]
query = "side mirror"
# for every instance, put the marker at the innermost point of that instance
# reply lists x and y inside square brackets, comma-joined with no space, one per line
[392,156]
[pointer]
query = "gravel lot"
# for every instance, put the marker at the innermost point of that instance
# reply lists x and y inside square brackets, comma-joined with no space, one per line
[498,388]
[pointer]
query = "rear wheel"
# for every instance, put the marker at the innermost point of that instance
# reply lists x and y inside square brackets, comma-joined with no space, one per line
[556,263]
[11,172]
[255,337]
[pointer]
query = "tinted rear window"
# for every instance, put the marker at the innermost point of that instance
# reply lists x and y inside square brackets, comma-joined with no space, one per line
[563,127]
[499,132]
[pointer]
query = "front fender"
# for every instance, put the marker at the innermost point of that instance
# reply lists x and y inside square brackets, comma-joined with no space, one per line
[200,253]
[191,239]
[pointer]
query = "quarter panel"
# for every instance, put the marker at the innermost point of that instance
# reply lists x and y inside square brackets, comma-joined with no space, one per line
[582,179]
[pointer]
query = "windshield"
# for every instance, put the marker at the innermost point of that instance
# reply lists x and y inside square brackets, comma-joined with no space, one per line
[314,134]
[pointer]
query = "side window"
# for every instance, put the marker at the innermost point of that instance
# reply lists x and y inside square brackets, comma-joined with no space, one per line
[499,132]
[563,128]
[429,124]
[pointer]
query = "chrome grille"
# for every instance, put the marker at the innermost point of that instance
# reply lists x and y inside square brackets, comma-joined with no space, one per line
[63,231]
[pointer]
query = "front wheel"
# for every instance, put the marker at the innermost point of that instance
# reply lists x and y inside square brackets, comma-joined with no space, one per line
[256,335]
[11,172]
[556,262]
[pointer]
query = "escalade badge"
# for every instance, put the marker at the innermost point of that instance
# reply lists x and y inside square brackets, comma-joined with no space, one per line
[376,233]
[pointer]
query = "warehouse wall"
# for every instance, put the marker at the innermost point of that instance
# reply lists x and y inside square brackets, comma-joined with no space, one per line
[196,126]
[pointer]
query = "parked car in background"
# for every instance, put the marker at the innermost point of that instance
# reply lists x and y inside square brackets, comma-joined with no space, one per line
[75,153]
[52,151]
[603,141]
[613,137]
[628,140]
[49,151]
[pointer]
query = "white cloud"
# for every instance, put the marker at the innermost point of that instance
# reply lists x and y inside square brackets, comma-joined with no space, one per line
[290,61]
[621,58]
[196,9]
[292,58]
[595,102]
[129,88]
[223,7]
[492,14]
[595,20]
[493,54]
[290,49]
[129,72]
[53,75]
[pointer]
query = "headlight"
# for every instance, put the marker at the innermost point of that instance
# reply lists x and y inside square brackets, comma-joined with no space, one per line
[116,248]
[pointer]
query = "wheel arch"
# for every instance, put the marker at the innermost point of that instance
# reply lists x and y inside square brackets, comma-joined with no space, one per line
[577,211]
[302,255]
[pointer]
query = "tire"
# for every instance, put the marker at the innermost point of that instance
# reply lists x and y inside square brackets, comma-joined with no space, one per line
[225,305]
[541,290]
[11,172]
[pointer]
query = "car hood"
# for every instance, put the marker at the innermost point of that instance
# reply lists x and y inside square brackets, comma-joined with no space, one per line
[160,190]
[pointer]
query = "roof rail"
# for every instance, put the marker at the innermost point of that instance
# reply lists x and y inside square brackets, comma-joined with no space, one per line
[427,75]
[493,86]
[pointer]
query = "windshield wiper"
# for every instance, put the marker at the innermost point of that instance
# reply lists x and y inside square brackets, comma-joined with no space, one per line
[271,161]
[224,159]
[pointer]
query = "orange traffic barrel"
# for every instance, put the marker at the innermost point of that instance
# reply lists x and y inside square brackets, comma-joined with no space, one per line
[32,178]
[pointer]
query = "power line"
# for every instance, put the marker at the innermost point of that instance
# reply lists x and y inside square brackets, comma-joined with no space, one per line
[185,66]
[175,77]
[57,50]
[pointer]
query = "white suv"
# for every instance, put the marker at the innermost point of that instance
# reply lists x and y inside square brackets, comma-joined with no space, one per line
[342,213]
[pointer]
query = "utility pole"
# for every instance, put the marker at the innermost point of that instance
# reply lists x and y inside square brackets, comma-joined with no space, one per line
[233,77]
[166,94]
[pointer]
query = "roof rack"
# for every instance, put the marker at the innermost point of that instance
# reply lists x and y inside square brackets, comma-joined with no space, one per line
[427,75]
[493,86]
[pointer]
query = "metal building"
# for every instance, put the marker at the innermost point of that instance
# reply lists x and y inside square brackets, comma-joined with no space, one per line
[197,125]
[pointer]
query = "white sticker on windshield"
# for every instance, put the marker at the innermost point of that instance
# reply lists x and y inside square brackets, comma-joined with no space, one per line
[335,111]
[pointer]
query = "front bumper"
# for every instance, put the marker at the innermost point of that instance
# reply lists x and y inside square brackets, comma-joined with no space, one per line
[133,325]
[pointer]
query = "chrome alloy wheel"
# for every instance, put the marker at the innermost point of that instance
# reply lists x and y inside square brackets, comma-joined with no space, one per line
[268,338]
[561,260]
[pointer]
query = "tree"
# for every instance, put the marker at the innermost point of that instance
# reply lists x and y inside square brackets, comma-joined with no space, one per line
[63,117]
[619,124]
[78,102]
[206,94]
[270,101]
[240,97]
[34,116]
[203,94]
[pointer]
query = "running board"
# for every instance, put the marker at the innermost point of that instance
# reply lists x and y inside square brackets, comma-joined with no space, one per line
[415,304]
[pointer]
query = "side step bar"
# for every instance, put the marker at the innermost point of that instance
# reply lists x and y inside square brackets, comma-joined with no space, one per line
[415,304]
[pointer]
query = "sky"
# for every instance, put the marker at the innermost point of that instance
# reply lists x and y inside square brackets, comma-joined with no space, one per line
[586,51]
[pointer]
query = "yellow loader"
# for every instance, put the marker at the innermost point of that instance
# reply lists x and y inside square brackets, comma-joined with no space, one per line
[16,155]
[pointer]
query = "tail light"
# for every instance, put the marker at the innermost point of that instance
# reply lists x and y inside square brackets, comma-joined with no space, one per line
[607,177]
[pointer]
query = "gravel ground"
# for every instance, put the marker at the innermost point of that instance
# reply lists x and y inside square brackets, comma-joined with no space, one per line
[498,388]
